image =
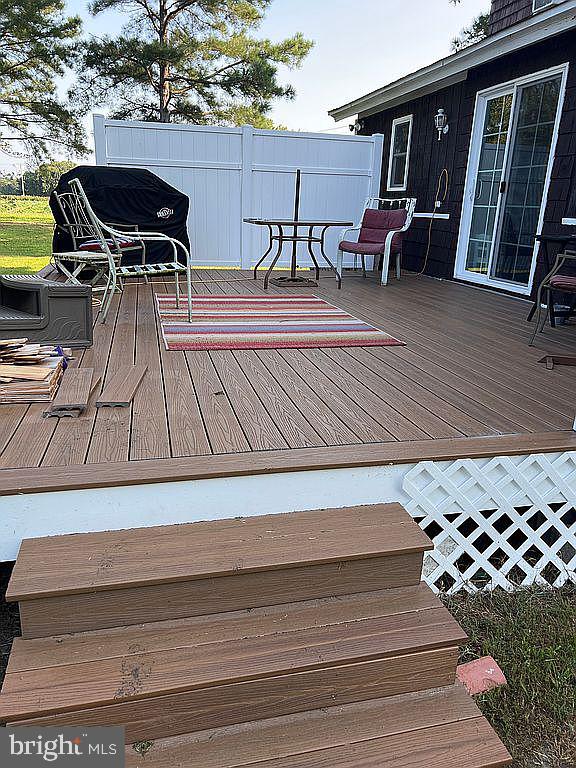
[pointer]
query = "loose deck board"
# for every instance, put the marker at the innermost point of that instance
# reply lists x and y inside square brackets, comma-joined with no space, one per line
[74,390]
[120,390]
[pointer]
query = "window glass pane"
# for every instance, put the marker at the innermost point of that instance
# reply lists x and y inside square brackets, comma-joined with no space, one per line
[398,170]
[399,155]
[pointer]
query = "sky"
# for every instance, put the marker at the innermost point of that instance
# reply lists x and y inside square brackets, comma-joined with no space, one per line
[360,45]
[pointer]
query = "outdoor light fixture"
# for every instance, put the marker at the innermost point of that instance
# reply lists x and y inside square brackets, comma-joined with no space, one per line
[441,123]
[356,127]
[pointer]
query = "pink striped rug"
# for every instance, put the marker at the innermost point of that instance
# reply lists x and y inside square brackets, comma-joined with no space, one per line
[263,322]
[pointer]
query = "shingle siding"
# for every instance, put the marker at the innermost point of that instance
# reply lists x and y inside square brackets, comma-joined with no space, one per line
[506,13]
[429,156]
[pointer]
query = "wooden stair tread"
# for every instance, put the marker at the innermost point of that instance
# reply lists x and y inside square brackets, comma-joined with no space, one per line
[318,730]
[465,744]
[234,625]
[92,562]
[70,685]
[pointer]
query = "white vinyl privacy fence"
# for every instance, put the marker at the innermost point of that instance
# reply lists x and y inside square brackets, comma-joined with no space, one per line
[233,173]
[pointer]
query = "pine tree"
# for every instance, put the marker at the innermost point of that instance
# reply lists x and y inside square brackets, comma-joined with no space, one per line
[37,42]
[477,30]
[188,60]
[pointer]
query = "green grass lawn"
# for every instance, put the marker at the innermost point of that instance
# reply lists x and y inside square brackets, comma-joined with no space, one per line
[26,210]
[25,234]
[531,633]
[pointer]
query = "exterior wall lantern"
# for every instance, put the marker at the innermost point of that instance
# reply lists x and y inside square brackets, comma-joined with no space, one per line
[441,123]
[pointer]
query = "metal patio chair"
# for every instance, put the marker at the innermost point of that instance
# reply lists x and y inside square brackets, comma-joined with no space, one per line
[100,246]
[557,282]
[86,253]
[383,224]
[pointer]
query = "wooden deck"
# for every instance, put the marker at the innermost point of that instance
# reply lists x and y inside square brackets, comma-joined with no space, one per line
[466,373]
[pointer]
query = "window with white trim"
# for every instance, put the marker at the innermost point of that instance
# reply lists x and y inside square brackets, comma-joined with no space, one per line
[539,5]
[399,160]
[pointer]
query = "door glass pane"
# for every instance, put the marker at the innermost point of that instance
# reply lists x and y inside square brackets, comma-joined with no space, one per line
[531,145]
[490,166]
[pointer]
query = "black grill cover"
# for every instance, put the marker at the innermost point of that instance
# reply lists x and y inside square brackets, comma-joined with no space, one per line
[128,196]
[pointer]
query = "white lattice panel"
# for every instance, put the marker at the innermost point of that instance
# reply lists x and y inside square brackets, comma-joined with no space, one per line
[505,521]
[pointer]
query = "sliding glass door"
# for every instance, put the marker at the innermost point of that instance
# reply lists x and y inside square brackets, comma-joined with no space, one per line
[510,158]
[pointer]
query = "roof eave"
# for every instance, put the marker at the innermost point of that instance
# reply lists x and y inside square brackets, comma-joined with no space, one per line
[454,68]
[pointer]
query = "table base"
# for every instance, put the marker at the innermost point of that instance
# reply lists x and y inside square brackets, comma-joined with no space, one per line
[287,281]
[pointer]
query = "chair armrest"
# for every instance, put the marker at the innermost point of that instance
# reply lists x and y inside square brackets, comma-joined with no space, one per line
[349,229]
[559,261]
[144,237]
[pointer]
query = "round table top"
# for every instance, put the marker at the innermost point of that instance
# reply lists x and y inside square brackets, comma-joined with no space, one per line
[300,222]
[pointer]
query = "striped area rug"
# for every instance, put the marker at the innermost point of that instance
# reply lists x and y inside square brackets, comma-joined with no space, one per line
[263,322]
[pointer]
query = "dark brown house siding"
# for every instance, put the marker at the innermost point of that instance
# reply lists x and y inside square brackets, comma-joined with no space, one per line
[429,156]
[506,13]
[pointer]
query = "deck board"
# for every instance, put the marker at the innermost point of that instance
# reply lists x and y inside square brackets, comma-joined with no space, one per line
[466,372]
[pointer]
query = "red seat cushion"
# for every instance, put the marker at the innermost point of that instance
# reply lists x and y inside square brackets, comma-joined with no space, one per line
[375,227]
[564,282]
[371,249]
[376,224]
[96,246]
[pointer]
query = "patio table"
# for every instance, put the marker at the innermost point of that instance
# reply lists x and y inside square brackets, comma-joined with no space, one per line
[289,231]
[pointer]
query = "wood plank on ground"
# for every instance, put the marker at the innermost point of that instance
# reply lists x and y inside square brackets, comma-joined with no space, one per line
[121,388]
[259,427]
[74,390]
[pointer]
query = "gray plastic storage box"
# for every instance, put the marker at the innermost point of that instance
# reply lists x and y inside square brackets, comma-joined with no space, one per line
[45,311]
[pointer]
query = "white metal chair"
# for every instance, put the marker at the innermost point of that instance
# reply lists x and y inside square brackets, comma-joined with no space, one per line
[86,253]
[380,233]
[100,246]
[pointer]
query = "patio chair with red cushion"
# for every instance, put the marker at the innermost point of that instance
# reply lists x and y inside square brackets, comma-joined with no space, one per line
[556,282]
[100,246]
[381,234]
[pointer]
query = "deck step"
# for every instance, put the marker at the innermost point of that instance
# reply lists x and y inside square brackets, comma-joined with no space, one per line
[442,728]
[204,672]
[92,581]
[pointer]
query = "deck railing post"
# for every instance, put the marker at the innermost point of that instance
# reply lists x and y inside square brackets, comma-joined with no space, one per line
[246,232]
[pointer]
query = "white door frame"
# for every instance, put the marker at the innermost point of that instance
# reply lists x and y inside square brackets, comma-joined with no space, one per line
[473,158]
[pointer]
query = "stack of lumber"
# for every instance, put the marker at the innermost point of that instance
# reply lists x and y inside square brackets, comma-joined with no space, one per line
[281,641]
[29,373]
